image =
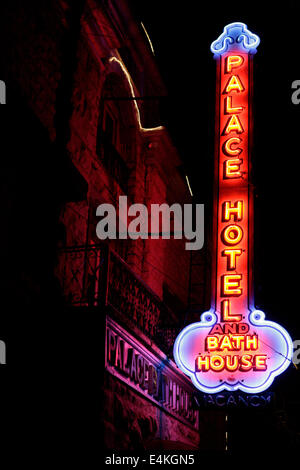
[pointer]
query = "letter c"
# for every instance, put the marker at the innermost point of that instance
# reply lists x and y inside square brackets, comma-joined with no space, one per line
[227,146]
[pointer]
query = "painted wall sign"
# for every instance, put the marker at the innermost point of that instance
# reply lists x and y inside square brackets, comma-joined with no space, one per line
[149,374]
[233,347]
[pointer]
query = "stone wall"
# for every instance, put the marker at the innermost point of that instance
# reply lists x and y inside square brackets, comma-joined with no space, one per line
[133,423]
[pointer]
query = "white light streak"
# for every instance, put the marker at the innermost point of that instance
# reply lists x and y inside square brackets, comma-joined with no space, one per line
[189,186]
[148,37]
[127,75]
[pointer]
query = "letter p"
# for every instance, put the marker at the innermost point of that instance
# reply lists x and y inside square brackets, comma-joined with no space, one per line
[233,61]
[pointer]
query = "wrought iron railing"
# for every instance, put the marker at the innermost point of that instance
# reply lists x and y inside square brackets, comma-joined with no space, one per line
[127,293]
[94,276]
[79,271]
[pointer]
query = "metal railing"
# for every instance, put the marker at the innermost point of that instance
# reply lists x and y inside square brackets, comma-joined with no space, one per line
[95,276]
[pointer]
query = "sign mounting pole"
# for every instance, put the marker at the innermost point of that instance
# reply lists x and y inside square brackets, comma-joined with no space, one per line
[233,347]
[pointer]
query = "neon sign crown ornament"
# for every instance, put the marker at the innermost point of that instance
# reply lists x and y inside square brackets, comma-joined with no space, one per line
[237,34]
[233,346]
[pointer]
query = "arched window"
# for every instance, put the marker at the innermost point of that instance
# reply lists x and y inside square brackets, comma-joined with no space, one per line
[116,129]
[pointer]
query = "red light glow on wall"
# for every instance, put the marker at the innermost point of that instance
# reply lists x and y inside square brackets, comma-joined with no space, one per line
[233,346]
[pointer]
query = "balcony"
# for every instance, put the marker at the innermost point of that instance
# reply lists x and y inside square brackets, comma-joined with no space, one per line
[95,276]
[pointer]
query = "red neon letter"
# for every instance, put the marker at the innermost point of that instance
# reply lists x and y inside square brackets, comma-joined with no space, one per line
[228,109]
[233,125]
[231,209]
[246,363]
[227,147]
[231,285]
[232,168]
[225,312]
[233,61]
[251,342]
[232,235]
[212,343]
[202,364]
[231,255]
[260,362]
[232,362]
[217,363]
[234,83]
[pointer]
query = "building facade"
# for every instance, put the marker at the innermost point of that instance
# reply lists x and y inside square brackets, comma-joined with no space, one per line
[88,93]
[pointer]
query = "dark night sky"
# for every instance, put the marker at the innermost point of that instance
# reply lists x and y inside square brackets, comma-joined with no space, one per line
[181,34]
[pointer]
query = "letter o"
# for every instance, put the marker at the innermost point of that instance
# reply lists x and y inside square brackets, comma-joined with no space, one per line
[232,235]
[217,363]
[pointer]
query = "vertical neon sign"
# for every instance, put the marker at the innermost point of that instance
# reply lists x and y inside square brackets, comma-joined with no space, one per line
[233,346]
